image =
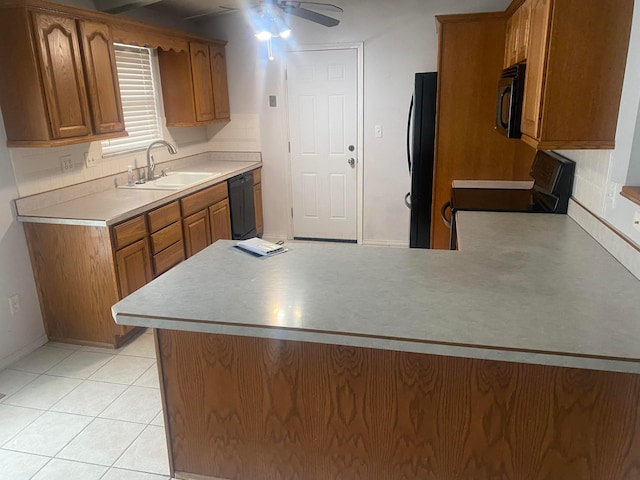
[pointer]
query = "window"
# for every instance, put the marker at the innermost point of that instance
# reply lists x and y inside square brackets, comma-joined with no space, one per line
[138,92]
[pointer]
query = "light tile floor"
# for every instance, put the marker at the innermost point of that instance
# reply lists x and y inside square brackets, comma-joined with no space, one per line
[85,413]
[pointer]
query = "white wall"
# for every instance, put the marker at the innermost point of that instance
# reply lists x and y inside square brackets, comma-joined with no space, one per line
[399,39]
[23,331]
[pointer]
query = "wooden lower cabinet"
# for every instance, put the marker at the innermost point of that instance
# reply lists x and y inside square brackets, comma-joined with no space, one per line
[197,232]
[81,271]
[244,408]
[76,277]
[220,221]
[206,218]
[134,267]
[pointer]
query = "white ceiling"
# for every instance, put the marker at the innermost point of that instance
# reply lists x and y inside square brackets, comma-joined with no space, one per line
[188,9]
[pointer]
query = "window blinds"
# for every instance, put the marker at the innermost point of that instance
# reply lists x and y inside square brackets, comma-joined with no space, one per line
[138,92]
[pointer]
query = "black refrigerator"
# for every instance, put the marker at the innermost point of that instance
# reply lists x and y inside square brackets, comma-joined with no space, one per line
[421,133]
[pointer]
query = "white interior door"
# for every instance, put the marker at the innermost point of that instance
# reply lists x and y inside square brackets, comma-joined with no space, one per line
[322,90]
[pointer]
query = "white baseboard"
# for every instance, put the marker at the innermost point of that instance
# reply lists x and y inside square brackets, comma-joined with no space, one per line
[23,352]
[384,243]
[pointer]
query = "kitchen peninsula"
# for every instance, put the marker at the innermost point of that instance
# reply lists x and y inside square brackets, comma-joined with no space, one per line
[516,357]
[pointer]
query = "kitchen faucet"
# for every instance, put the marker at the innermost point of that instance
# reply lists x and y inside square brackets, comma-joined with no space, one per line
[151,166]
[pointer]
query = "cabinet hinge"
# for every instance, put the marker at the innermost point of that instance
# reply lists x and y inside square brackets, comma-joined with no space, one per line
[289,146]
[292,212]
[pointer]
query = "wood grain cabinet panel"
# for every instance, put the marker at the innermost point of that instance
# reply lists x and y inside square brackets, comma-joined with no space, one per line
[134,267]
[575,69]
[538,42]
[102,77]
[62,75]
[202,81]
[59,83]
[220,221]
[168,258]
[163,216]
[219,79]
[128,232]
[194,84]
[75,271]
[197,232]
[278,409]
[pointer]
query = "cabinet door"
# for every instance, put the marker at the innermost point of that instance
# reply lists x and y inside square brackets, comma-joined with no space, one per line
[511,44]
[62,75]
[220,219]
[257,201]
[202,81]
[102,77]
[134,267]
[522,41]
[219,79]
[534,78]
[197,232]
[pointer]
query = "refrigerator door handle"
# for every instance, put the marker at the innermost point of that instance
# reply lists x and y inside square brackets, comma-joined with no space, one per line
[443,214]
[409,136]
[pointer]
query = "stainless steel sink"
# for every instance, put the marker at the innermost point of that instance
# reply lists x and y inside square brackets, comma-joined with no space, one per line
[174,181]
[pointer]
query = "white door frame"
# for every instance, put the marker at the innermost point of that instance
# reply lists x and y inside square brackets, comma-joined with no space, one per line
[359,47]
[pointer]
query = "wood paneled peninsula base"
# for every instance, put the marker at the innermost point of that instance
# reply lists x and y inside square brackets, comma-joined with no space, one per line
[255,408]
[515,358]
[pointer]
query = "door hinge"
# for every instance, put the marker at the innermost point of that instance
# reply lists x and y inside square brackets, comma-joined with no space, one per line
[289,146]
[292,212]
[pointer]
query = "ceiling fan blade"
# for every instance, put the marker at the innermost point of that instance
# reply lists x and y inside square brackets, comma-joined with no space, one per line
[309,15]
[329,7]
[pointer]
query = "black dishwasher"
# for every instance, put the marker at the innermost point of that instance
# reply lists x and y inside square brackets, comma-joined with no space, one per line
[243,212]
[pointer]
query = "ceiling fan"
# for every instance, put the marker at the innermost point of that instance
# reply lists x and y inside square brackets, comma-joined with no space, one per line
[305,10]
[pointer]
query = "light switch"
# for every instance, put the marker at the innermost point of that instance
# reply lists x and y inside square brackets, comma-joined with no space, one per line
[378,131]
[272,101]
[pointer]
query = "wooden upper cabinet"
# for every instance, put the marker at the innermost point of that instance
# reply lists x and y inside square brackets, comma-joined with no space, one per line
[194,84]
[219,78]
[102,77]
[58,84]
[540,13]
[62,75]
[511,40]
[202,82]
[517,35]
[575,69]
[524,22]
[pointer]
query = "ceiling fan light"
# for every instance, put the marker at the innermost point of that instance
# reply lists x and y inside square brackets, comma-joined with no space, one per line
[264,35]
[285,33]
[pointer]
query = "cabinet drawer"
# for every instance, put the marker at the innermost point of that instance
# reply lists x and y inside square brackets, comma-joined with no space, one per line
[164,216]
[257,176]
[204,198]
[168,258]
[130,231]
[165,237]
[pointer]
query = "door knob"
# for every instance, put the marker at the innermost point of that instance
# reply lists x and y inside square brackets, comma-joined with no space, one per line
[352,162]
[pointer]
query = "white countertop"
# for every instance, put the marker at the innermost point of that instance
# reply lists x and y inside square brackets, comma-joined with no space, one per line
[114,205]
[525,287]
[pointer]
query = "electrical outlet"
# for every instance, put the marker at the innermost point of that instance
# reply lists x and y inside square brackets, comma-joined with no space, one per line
[378,131]
[89,161]
[66,163]
[636,221]
[14,304]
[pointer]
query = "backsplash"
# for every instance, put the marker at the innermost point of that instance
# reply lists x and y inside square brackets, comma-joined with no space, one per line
[590,181]
[39,170]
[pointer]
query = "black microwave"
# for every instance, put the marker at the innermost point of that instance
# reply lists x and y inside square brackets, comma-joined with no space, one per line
[509,102]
